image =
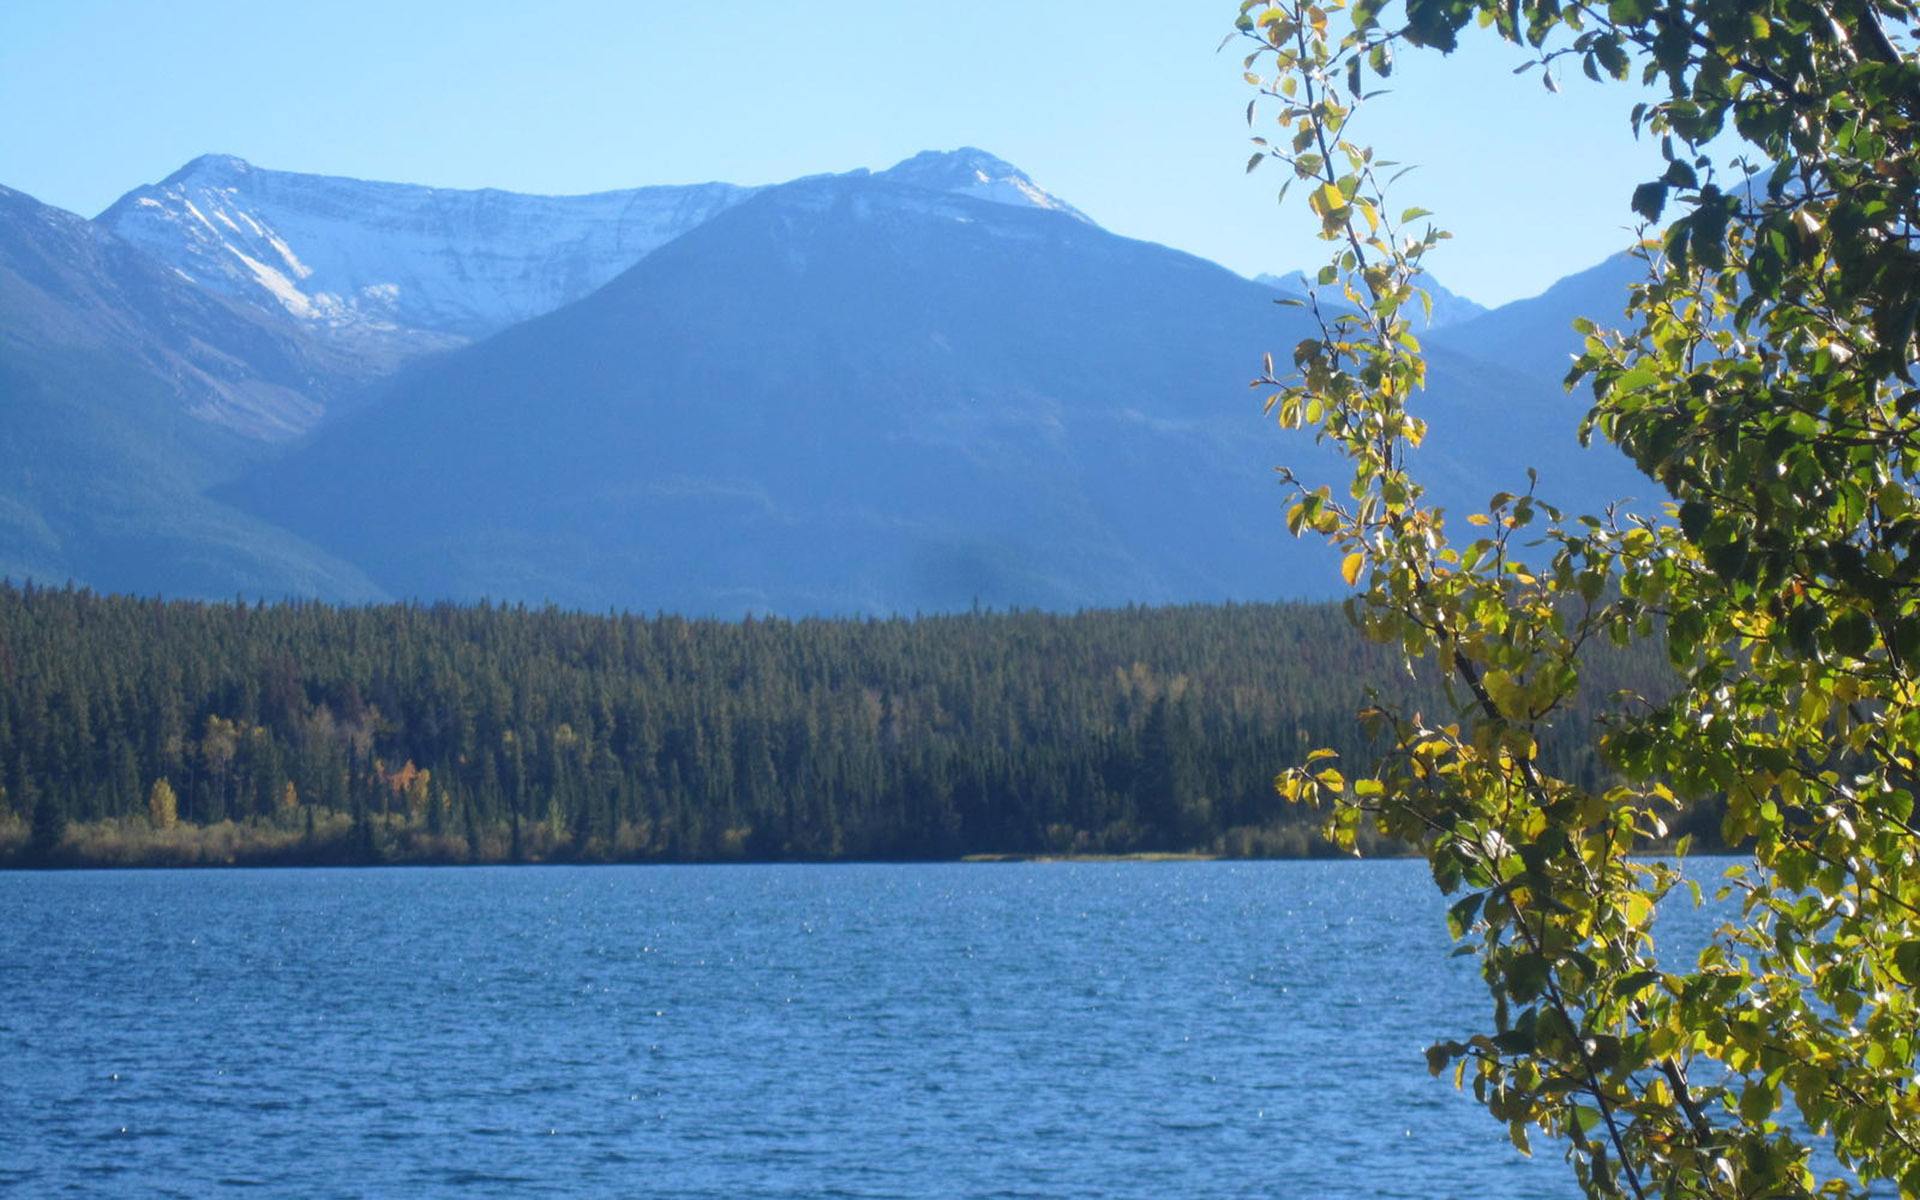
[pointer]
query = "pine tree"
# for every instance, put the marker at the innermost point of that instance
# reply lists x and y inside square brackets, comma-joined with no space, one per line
[49,823]
[163,807]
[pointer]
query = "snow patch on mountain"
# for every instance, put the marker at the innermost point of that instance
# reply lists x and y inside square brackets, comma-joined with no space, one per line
[76,295]
[399,261]
[975,173]
[401,268]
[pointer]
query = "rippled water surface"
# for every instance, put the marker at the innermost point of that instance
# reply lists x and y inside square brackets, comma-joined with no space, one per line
[1022,1030]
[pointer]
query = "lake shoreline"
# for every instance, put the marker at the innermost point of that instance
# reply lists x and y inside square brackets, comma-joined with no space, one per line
[390,841]
[24,864]
[243,847]
[337,843]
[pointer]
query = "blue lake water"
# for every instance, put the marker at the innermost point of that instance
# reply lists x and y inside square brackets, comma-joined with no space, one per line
[1018,1030]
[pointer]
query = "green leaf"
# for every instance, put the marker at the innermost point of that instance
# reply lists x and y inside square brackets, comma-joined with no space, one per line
[1906,960]
[1650,199]
[1460,916]
[1527,976]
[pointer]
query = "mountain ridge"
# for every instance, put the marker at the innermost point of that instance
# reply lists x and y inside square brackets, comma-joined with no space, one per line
[397,269]
[903,390]
[850,395]
[1448,307]
[127,392]
[391,267]
[919,456]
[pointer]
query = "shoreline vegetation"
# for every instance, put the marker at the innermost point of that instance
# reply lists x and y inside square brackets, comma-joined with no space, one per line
[141,732]
[132,844]
[336,839]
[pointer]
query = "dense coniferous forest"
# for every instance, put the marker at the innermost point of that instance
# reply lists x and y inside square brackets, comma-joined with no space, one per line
[137,731]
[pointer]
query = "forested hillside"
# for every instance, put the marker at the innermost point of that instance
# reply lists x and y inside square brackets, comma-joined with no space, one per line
[141,731]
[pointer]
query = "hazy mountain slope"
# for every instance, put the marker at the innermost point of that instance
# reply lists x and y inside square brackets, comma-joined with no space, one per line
[126,391]
[1449,307]
[69,285]
[850,395]
[1533,341]
[1535,335]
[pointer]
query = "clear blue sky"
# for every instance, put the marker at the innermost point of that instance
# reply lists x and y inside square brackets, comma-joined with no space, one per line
[1124,109]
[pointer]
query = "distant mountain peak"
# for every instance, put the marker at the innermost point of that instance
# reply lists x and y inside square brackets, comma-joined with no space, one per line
[393,268]
[1449,307]
[970,171]
[210,166]
[946,165]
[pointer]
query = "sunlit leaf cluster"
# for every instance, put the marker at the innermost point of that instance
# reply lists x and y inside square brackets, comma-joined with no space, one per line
[1764,377]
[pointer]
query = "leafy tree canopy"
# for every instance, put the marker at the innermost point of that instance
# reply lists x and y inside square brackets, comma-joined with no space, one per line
[1764,376]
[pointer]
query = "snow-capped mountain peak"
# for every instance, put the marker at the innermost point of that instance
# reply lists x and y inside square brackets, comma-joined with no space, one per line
[401,264]
[210,166]
[389,269]
[973,172]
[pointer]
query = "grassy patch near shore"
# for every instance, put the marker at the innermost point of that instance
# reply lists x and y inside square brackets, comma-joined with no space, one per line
[1144,856]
